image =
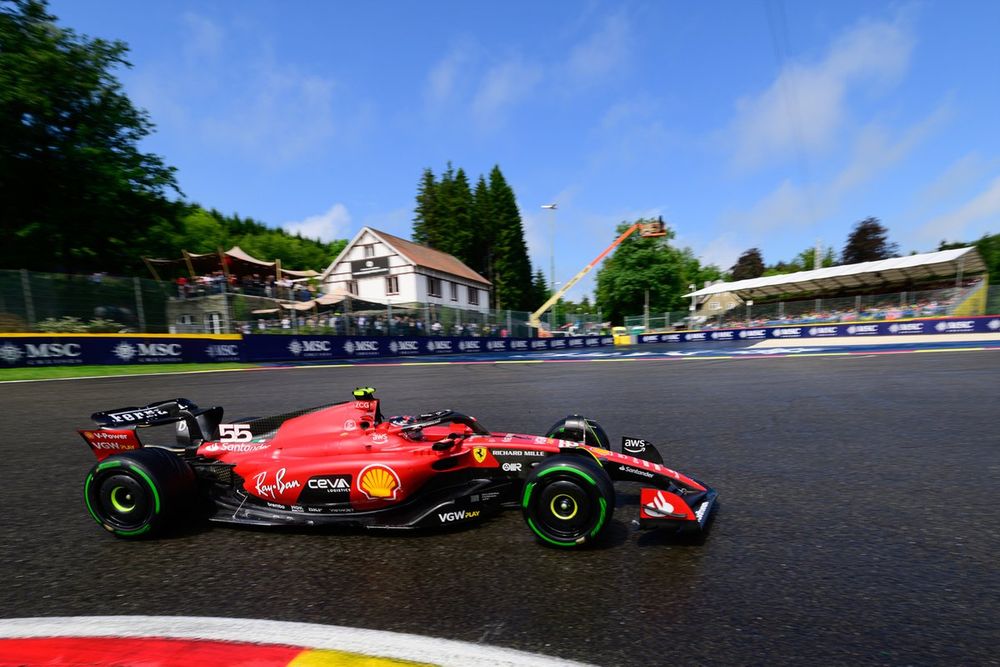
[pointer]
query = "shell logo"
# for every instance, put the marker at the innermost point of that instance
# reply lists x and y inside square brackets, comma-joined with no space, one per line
[379,482]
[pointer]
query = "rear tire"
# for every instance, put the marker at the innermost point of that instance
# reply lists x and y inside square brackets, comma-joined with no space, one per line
[136,494]
[568,501]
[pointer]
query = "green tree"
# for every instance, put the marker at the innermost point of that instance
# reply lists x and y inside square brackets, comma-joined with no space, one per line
[453,223]
[483,223]
[868,242]
[76,193]
[989,249]
[749,265]
[425,216]
[640,264]
[207,231]
[539,290]
[804,261]
[511,268]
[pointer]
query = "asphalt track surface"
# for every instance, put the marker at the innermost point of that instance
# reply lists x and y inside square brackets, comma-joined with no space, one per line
[857,520]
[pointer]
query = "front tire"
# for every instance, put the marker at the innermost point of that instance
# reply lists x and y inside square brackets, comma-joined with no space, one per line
[577,428]
[135,494]
[568,501]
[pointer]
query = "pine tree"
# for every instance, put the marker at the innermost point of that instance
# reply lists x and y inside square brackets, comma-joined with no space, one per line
[456,215]
[425,215]
[483,224]
[539,290]
[512,268]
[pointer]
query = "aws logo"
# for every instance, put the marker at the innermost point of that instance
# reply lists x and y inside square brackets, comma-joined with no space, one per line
[379,482]
[479,453]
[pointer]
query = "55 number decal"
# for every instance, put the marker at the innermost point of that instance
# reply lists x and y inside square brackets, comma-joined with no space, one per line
[235,433]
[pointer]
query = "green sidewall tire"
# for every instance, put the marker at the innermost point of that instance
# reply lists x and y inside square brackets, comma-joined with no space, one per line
[135,494]
[568,501]
[588,432]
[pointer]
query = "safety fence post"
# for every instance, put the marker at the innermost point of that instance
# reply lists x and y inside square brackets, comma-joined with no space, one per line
[139,310]
[29,305]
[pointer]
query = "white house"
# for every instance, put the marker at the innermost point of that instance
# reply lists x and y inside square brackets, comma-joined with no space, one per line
[382,268]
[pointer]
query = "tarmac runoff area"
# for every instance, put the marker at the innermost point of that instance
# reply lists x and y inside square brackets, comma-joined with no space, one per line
[856,521]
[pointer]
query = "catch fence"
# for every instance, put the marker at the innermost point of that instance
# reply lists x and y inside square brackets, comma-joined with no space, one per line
[70,303]
[860,308]
[98,303]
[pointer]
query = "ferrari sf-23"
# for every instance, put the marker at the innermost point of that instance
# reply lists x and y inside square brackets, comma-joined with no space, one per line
[344,464]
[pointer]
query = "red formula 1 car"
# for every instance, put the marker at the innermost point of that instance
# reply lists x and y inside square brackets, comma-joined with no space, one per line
[345,464]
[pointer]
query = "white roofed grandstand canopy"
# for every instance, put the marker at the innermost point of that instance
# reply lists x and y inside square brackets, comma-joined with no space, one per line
[862,276]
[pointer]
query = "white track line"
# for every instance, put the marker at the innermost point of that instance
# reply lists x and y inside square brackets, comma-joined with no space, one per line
[444,652]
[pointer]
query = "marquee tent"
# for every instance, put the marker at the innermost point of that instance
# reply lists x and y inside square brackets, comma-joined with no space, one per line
[236,261]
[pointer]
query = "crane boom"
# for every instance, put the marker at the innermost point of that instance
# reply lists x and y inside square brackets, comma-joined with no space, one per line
[649,229]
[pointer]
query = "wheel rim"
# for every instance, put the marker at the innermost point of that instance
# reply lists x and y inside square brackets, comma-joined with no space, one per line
[564,507]
[123,503]
[122,500]
[564,510]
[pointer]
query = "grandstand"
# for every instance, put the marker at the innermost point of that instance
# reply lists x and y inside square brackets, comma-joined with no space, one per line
[948,282]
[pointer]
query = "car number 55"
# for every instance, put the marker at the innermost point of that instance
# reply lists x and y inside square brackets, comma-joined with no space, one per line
[235,433]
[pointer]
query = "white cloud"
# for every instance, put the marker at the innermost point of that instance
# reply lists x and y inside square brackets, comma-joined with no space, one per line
[443,80]
[491,88]
[806,105]
[503,86]
[722,251]
[955,224]
[603,53]
[956,180]
[788,205]
[284,115]
[875,151]
[327,226]
[204,37]
[280,112]
[791,207]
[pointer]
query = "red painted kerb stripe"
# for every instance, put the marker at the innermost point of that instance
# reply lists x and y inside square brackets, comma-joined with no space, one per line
[141,652]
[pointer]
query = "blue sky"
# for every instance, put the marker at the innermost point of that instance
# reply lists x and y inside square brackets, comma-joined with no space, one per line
[746,123]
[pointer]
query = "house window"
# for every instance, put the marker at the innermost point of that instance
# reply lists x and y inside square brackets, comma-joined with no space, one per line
[369,250]
[714,305]
[433,286]
[352,287]
[392,285]
[213,323]
[473,296]
[185,320]
[454,291]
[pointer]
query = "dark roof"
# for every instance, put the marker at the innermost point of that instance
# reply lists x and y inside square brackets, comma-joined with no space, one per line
[429,258]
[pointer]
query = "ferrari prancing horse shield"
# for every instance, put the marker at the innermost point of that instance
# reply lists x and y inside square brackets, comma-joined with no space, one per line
[479,453]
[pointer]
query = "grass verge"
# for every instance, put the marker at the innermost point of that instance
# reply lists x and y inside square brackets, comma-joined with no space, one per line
[57,372]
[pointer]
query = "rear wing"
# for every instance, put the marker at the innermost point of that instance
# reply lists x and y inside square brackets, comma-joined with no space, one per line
[194,425]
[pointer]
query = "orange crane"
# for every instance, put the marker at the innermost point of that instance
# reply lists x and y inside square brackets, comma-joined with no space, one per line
[647,229]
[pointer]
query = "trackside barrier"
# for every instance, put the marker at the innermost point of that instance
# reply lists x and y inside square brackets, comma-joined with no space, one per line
[19,350]
[900,328]
[263,347]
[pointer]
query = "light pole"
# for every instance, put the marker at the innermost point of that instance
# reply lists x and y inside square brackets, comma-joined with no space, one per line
[552,246]
[692,287]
